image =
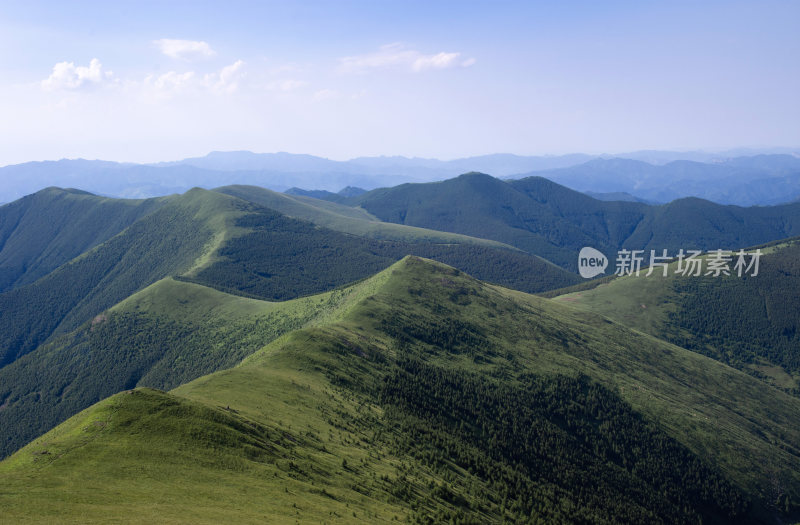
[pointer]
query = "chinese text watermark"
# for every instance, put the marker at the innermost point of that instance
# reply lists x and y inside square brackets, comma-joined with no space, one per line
[688,263]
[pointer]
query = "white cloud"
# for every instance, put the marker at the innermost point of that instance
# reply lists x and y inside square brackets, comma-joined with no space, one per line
[66,75]
[437,61]
[286,85]
[185,49]
[389,55]
[227,80]
[290,68]
[171,83]
[325,94]
[398,56]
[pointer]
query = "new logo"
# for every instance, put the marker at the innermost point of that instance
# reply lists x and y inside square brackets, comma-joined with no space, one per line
[591,262]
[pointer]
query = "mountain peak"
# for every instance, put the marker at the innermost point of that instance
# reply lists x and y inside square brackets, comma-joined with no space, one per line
[474,175]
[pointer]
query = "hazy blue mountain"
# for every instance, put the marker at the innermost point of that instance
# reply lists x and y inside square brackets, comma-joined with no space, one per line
[276,171]
[325,195]
[616,196]
[665,157]
[101,177]
[744,181]
[351,191]
[499,164]
[249,161]
[665,176]
[142,181]
[380,171]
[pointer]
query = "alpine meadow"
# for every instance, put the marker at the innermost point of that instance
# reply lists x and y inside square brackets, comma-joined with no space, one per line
[400,262]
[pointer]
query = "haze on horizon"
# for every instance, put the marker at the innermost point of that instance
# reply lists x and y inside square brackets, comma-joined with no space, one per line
[145,82]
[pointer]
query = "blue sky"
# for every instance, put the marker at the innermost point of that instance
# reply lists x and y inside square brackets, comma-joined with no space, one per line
[149,81]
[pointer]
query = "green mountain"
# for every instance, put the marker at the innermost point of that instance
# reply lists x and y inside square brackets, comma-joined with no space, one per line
[749,322]
[281,257]
[168,241]
[482,206]
[165,335]
[237,246]
[427,396]
[347,219]
[65,345]
[42,231]
[698,224]
[554,222]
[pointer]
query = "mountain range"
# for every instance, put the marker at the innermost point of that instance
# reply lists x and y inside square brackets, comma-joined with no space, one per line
[243,355]
[735,177]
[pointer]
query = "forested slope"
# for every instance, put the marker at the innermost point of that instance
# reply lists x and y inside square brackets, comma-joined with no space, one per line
[281,258]
[166,242]
[554,222]
[42,231]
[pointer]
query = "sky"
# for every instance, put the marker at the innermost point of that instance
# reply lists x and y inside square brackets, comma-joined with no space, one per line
[151,81]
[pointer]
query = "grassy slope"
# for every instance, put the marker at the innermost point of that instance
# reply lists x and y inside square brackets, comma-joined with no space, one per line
[167,334]
[42,231]
[750,323]
[281,435]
